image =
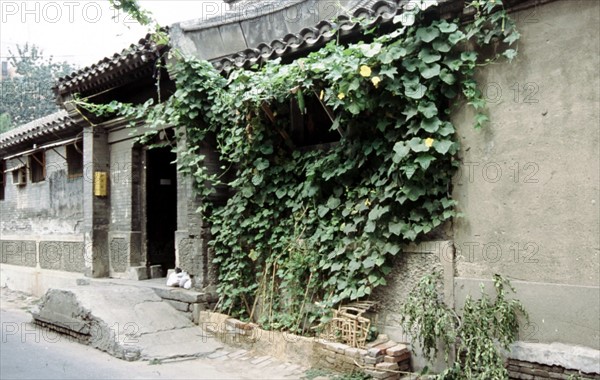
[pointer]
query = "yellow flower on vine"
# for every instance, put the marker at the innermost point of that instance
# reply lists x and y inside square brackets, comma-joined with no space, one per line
[429,142]
[322,95]
[367,202]
[376,81]
[341,96]
[365,71]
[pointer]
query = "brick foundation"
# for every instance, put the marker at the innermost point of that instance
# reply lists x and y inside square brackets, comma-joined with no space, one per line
[532,371]
[382,359]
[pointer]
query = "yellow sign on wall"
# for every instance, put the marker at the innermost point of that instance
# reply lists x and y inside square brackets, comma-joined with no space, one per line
[100,184]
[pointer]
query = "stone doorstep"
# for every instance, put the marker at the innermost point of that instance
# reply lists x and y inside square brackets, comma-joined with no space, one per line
[181,295]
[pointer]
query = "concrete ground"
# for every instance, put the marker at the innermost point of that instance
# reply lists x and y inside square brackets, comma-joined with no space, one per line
[28,351]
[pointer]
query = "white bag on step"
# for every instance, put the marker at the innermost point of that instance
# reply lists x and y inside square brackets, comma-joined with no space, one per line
[173,279]
[185,281]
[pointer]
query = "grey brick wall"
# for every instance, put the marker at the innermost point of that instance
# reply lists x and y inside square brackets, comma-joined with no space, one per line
[41,224]
[49,207]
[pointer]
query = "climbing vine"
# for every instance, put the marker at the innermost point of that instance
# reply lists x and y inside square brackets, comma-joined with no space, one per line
[304,228]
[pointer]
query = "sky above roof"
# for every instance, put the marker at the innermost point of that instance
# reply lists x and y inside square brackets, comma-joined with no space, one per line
[83,32]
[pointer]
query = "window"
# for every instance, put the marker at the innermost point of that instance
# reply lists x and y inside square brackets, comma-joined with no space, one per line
[305,126]
[37,166]
[313,125]
[2,179]
[19,175]
[74,160]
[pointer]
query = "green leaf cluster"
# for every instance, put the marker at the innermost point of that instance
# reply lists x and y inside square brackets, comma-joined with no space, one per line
[306,229]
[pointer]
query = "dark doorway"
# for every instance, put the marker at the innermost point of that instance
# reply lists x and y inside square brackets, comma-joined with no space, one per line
[161,207]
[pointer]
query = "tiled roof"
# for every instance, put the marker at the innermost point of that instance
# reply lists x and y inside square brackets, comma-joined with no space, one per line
[56,125]
[110,70]
[241,11]
[122,66]
[312,38]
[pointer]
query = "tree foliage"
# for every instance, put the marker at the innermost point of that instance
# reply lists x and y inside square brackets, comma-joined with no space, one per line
[5,122]
[485,326]
[28,94]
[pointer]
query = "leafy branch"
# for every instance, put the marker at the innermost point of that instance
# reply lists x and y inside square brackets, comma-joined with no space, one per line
[485,325]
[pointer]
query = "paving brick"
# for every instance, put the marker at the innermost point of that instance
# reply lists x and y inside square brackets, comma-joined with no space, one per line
[330,360]
[397,350]
[390,359]
[237,354]
[387,366]
[265,363]
[339,347]
[535,372]
[405,366]
[283,367]
[369,360]
[260,359]
[237,324]
[376,351]
[245,357]
[294,367]
[352,352]
[560,376]
[377,374]
[218,354]
[348,359]
[381,338]
[404,357]
[384,346]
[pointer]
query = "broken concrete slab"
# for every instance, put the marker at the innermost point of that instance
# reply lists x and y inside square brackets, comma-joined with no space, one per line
[175,344]
[63,311]
[128,322]
[181,306]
